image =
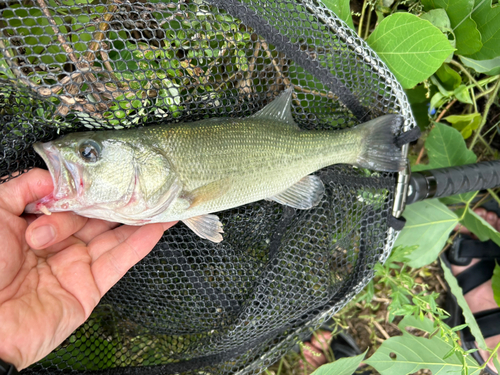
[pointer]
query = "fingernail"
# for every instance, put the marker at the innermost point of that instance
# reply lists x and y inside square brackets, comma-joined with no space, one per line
[41,236]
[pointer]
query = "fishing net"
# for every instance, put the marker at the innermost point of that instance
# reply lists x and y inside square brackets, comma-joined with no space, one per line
[192,306]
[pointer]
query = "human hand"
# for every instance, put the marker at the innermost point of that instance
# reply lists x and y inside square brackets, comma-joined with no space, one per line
[55,269]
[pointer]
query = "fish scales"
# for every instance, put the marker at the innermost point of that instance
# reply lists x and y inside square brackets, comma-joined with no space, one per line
[189,171]
[259,158]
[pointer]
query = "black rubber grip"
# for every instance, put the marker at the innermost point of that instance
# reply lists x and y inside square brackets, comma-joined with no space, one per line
[444,182]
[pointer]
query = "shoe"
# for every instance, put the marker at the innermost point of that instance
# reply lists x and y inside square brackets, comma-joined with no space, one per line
[462,252]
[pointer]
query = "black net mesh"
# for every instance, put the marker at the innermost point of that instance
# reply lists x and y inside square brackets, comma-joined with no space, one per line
[192,306]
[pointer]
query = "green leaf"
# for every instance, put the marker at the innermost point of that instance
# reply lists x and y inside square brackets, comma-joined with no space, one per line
[445,148]
[496,363]
[467,313]
[411,353]
[428,225]
[487,19]
[448,77]
[343,366]
[477,225]
[438,18]
[412,48]
[488,67]
[342,9]
[465,124]
[495,284]
[468,37]
[419,105]
[462,94]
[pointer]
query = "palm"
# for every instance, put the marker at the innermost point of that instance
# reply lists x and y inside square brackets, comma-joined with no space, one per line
[46,293]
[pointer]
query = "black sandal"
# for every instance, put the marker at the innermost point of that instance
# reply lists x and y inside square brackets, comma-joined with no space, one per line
[461,253]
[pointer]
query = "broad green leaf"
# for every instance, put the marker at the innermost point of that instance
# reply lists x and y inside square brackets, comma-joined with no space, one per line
[419,105]
[343,366]
[469,317]
[495,284]
[412,48]
[411,353]
[437,101]
[438,18]
[488,20]
[465,124]
[488,67]
[496,363]
[428,226]
[342,9]
[445,147]
[477,225]
[468,37]
[462,94]
[449,78]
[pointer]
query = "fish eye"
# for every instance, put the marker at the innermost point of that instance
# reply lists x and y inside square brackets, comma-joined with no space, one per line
[89,151]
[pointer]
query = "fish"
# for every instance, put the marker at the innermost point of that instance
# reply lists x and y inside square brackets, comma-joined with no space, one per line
[189,171]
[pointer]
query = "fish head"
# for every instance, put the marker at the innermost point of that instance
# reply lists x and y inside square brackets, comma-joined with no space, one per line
[89,170]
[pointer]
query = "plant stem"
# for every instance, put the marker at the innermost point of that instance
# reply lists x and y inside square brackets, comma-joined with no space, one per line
[361,19]
[484,93]
[491,356]
[487,107]
[55,29]
[466,72]
[487,145]
[494,195]
[367,28]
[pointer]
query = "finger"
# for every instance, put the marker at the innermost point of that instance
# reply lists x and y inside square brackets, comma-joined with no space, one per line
[491,218]
[321,340]
[111,239]
[93,228]
[82,237]
[108,240]
[313,356]
[49,230]
[113,264]
[29,187]
[12,249]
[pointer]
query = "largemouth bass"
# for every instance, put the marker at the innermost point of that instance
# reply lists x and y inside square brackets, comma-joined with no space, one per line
[188,171]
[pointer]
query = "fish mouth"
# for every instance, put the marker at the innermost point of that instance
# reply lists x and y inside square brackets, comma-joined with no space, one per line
[64,176]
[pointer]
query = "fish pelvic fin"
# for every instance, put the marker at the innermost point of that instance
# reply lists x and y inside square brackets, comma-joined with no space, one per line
[304,194]
[379,151]
[206,226]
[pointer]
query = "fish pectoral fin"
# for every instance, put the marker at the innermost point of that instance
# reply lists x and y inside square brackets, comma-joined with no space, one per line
[279,110]
[207,192]
[206,226]
[304,194]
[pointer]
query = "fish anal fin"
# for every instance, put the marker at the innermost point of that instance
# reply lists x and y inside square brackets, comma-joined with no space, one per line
[206,226]
[279,109]
[207,192]
[304,194]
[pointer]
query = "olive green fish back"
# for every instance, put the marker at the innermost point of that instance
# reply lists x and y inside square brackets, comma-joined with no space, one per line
[193,306]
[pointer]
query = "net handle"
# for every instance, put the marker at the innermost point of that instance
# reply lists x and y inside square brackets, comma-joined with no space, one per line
[444,182]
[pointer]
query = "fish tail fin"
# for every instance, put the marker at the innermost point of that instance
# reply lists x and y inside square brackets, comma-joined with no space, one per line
[378,150]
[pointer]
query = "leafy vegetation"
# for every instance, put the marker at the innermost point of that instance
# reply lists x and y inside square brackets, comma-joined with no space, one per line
[445,53]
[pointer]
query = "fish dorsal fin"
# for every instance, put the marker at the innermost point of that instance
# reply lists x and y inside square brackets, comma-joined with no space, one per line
[206,226]
[304,194]
[279,109]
